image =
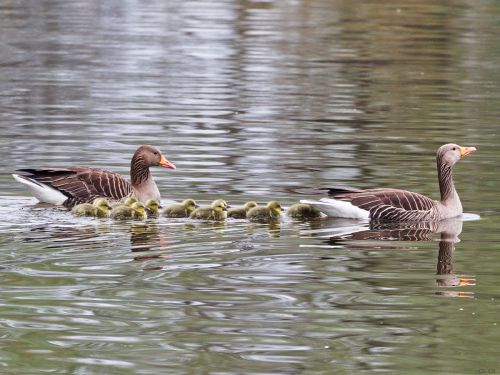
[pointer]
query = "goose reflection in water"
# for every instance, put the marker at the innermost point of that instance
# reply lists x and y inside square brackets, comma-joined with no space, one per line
[449,231]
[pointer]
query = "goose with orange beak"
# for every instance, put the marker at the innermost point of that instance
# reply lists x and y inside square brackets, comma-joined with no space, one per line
[386,204]
[74,185]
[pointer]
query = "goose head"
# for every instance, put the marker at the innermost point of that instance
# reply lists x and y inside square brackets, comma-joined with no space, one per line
[152,157]
[450,153]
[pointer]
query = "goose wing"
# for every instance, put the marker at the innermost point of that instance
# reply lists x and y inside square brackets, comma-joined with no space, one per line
[387,204]
[81,184]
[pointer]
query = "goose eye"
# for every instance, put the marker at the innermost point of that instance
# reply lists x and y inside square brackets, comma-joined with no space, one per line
[156,153]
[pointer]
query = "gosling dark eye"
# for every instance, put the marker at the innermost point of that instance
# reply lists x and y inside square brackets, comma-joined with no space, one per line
[156,153]
[454,148]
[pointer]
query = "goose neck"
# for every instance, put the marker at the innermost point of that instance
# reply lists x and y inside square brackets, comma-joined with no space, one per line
[139,170]
[446,186]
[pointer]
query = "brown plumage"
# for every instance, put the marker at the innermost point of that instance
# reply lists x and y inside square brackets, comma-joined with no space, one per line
[74,185]
[400,205]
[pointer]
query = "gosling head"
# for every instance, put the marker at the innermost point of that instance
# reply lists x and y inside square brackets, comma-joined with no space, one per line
[153,205]
[218,203]
[130,201]
[189,204]
[102,204]
[247,206]
[139,208]
[275,207]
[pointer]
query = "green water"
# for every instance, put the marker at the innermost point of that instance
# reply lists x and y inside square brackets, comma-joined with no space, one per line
[252,100]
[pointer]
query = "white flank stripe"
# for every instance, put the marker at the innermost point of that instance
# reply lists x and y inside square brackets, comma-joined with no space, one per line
[337,208]
[42,192]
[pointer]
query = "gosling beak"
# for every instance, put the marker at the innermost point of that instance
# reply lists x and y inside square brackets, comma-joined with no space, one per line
[166,164]
[160,206]
[224,209]
[197,205]
[228,206]
[110,207]
[466,151]
[282,209]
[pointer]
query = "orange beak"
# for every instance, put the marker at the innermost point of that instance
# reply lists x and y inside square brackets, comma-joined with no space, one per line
[465,151]
[166,164]
[466,281]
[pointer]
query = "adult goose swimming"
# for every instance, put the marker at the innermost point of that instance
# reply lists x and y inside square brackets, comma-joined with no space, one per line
[400,205]
[74,185]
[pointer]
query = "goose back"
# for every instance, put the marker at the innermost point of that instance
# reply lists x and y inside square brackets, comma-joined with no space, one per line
[389,204]
[81,184]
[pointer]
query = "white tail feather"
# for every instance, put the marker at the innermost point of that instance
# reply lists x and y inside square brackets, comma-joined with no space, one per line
[337,208]
[42,192]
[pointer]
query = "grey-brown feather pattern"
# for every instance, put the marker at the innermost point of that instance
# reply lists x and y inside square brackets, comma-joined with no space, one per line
[82,184]
[388,204]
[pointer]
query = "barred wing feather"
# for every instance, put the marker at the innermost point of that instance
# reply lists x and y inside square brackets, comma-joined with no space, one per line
[81,184]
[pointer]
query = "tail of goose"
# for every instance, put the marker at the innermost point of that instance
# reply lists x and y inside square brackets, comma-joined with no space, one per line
[41,191]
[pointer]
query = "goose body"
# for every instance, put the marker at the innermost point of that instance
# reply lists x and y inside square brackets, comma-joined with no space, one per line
[241,212]
[268,214]
[99,208]
[303,211]
[217,211]
[400,205]
[74,185]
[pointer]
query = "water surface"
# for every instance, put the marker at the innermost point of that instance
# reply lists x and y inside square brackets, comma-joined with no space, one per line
[252,100]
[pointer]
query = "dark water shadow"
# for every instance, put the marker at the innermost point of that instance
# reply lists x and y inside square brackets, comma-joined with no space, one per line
[404,234]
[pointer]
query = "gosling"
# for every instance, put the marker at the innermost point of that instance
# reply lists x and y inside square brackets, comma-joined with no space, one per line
[268,214]
[302,211]
[241,212]
[178,210]
[136,211]
[217,211]
[152,207]
[126,202]
[99,208]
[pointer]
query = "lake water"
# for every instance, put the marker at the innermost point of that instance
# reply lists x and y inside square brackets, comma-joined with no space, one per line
[252,100]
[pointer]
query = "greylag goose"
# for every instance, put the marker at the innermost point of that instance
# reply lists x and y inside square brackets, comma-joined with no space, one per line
[136,211]
[303,211]
[217,211]
[270,213]
[73,185]
[400,205]
[179,210]
[99,208]
[241,212]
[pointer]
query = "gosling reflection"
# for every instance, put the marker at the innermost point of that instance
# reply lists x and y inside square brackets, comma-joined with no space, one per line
[449,231]
[273,229]
[147,237]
